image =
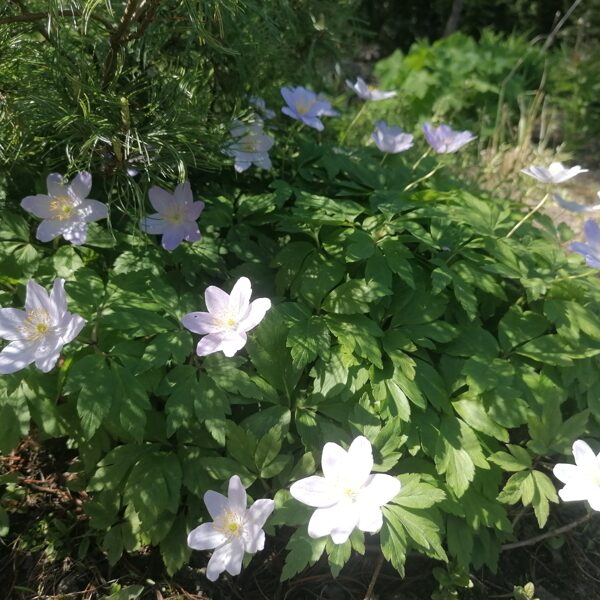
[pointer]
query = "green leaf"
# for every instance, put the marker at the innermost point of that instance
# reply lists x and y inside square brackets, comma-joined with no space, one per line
[268,448]
[473,412]
[66,261]
[518,459]
[130,400]
[303,551]
[307,340]
[173,548]
[415,493]
[354,296]
[337,555]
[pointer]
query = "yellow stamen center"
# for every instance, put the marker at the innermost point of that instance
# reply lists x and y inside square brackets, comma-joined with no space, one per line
[36,325]
[303,107]
[230,524]
[62,208]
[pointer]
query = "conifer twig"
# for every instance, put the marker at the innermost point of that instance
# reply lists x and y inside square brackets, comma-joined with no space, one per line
[30,17]
[117,40]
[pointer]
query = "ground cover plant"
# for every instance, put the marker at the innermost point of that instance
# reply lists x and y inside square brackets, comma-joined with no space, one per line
[364,354]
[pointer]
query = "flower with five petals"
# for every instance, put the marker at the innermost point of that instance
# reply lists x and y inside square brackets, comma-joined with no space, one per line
[445,140]
[391,139]
[306,106]
[554,174]
[38,333]
[228,319]
[234,530]
[65,209]
[348,495]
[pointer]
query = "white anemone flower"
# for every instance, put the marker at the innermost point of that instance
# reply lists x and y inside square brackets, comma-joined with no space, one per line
[38,333]
[235,529]
[250,146]
[554,174]
[228,319]
[66,209]
[582,480]
[391,139]
[575,206]
[367,92]
[348,495]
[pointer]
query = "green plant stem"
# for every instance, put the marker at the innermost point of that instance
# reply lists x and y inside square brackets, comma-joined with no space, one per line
[383,159]
[584,274]
[354,121]
[415,183]
[421,158]
[530,214]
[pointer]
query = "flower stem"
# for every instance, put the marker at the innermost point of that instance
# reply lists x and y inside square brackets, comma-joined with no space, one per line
[383,159]
[354,121]
[529,215]
[422,158]
[378,565]
[416,182]
[584,274]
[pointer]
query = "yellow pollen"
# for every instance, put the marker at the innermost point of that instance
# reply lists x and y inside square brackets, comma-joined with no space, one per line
[230,524]
[61,207]
[42,327]
[248,144]
[36,324]
[303,107]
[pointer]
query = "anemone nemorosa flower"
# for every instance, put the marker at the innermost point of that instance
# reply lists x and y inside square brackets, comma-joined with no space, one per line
[575,206]
[582,480]
[555,173]
[445,140]
[65,209]
[366,92]
[234,530]
[38,333]
[251,146]
[176,216]
[590,249]
[228,319]
[261,106]
[347,496]
[391,139]
[306,106]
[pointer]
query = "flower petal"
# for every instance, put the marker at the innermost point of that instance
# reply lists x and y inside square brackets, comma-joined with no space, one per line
[565,472]
[193,211]
[76,232]
[334,461]
[232,342]
[172,237]
[236,495]
[255,314]
[153,224]
[11,321]
[205,537]
[239,299]
[56,184]
[36,298]
[216,299]
[72,328]
[92,210]
[379,489]
[592,234]
[594,499]
[236,557]
[38,205]
[218,561]
[81,185]
[200,322]
[58,297]
[255,542]
[584,456]
[47,230]
[161,200]
[322,521]
[183,193]
[315,491]
[216,503]
[370,518]
[360,458]
[346,519]
[16,356]
[575,491]
[259,512]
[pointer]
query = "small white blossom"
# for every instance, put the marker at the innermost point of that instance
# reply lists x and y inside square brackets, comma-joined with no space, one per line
[261,106]
[38,333]
[575,206]
[306,106]
[228,319]
[444,140]
[250,146]
[234,530]
[582,480]
[554,174]
[391,139]
[348,495]
[66,209]
[366,92]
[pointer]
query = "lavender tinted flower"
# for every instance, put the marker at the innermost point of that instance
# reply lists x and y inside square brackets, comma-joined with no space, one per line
[176,216]
[305,106]
[261,107]
[575,206]
[65,209]
[554,174]
[590,249]
[366,92]
[445,140]
[251,146]
[391,139]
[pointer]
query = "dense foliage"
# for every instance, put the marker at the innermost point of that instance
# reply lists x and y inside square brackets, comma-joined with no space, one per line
[402,310]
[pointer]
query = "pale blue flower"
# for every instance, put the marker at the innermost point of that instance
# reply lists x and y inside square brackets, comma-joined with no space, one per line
[176,216]
[260,105]
[306,106]
[445,140]
[575,206]
[251,146]
[391,139]
[65,209]
[366,92]
[590,249]
[555,173]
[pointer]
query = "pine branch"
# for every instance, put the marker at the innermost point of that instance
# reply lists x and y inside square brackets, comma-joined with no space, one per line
[30,17]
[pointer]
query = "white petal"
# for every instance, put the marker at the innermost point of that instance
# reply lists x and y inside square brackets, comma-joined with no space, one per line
[47,230]
[239,299]
[81,185]
[205,537]
[216,299]
[370,518]
[153,224]
[216,503]
[334,461]
[360,457]
[72,328]
[322,521]
[565,472]
[161,200]
[236,557]
[255,540]
[183,193]
[575,491]
[346,520]
[218,562]
[47,361]
[232,342]
[209,344]
[379,490]
[16,356]
[259,512]
[172,237]
[76,233]
[315,491]
[584,456]
[200,322]
[11,321]
[36,298]
[58,297]
[38,205]
[55,184]
[594,499]
[237,495]
[256,313]
[92,210]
